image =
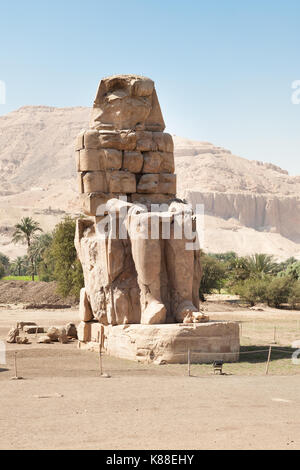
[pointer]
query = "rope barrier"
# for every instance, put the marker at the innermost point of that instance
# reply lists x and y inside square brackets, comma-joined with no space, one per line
[243,352]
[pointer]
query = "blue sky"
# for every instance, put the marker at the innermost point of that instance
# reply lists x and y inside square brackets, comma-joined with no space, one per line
[223,68]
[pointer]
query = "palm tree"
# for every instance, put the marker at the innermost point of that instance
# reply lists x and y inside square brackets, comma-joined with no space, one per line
[26,231]
[261,264]
[18,265]
[39,246]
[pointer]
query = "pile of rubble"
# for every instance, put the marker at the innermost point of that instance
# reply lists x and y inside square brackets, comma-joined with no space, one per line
[19,334]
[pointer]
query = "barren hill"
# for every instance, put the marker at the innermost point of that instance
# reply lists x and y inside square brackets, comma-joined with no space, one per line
[249,206]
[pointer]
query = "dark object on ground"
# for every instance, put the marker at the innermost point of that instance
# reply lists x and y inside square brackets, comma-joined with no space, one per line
[45,307]
[71,330]
[218,367]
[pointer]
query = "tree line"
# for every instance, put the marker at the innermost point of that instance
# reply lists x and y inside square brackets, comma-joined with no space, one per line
[50,256]
[256,279]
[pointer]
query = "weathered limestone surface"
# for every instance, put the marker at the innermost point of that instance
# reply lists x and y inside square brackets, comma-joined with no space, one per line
[170,343]
[133,277]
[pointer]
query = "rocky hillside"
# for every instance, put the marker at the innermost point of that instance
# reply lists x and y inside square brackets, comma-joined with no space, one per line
[250,206]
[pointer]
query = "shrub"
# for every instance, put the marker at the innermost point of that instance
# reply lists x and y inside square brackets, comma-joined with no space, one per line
[293,270]
[252,290]
[279,290]
[2,271]
[213,275]
[294,296]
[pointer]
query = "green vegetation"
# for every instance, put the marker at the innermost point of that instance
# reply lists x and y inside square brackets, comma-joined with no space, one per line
[20,278]
[2,271]
[58,259]
[26,231]
[52,257]
[257,278]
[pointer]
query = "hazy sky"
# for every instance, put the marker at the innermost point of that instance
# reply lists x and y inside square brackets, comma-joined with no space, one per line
[223,68]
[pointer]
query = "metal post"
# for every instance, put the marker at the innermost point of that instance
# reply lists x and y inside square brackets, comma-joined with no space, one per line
[268,362]
[100,359]
[189,362]
[16,370]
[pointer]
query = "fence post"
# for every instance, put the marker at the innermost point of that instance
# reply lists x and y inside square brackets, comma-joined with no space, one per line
[268,362]
[275,336]
[189,362]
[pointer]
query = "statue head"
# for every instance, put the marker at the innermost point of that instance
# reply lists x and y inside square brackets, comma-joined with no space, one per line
[127,102]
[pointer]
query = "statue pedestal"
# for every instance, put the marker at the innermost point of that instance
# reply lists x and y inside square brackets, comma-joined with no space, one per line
[169,343]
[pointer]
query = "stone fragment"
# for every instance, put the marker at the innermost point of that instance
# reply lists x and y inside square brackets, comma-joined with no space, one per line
[53,333]
[85,311]
[31,330]
[133,161]
[71,330]
[22,340]
[12,335]
[62,337]
[44,340]
[21,324]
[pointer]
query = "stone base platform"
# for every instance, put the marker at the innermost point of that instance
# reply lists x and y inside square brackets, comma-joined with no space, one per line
[169,343]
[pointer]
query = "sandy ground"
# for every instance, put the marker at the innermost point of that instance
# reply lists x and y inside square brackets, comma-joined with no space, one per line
[62,403]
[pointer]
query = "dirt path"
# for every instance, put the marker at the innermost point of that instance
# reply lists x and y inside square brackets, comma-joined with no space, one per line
[139,407]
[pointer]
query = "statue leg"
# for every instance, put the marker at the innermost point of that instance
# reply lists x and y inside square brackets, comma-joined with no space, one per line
[146,253]
[181,273]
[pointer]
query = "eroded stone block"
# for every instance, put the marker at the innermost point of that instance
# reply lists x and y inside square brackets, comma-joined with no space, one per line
[145,142]
[121,181]
[158,162]
[117,140]
[91,139]
[162,183]
[163,141]
[95,181]
[133,161]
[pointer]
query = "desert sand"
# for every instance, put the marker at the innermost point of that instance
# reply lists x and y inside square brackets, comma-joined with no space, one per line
[62,403]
